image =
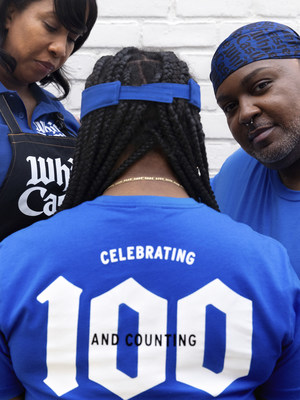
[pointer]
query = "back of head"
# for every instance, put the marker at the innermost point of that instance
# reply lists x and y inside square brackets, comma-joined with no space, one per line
[139,126]
[253,42]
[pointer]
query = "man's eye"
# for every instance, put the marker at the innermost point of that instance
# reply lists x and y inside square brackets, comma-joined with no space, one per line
[261,86]
[229,107]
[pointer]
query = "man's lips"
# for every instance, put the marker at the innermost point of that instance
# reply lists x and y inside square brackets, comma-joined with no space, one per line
[257,134]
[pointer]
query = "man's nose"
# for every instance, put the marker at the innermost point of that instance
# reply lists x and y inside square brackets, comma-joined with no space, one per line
[248,109]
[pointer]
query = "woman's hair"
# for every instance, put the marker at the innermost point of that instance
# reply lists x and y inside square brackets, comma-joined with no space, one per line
[71,14]
[139,126]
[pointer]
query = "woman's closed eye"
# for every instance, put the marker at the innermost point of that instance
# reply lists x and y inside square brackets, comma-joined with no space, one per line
[50,27]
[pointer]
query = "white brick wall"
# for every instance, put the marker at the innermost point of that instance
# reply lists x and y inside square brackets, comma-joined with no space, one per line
[191,28]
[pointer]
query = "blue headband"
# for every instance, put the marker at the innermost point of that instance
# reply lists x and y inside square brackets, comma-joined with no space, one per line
[253,42]
[109,94]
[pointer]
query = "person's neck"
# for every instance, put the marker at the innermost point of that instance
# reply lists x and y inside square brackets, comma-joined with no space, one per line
[150,176]
[290,176]
[23,90]
[11,83]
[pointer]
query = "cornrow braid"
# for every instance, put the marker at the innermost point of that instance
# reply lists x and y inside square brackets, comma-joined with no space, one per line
[141,126]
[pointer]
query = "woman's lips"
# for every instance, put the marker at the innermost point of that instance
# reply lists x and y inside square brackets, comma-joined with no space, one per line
[45,67]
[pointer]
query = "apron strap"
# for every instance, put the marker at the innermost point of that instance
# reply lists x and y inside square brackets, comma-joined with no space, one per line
[8,116]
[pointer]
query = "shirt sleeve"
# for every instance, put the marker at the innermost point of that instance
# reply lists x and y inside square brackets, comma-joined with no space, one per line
[284,383]
[10,386]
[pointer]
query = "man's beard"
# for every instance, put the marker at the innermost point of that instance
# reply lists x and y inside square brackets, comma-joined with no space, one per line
[283,147]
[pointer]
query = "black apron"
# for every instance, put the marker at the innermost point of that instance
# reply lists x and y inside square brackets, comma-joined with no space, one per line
[37,178]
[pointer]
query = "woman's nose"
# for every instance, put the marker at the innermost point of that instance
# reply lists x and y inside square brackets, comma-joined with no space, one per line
[58,47]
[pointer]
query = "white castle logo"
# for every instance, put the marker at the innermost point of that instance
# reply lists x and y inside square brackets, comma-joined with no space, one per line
[45,171]
[43,128]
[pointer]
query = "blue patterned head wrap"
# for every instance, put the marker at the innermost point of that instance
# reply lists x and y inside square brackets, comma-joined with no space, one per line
[257,41]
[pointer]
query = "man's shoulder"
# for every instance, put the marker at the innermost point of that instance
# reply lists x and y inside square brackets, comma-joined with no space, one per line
[240,166]
[238,183]
[239,159]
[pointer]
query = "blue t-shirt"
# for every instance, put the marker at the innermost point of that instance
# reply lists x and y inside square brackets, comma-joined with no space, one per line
[253,194]
[147,298]
[42,121]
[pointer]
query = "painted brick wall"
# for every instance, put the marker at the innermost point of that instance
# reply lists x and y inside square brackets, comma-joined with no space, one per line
[191,28]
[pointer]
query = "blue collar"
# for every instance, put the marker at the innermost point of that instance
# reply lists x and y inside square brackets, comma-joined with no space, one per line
[109,94]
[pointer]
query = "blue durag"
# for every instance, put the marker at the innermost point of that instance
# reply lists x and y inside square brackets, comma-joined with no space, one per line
[257,41]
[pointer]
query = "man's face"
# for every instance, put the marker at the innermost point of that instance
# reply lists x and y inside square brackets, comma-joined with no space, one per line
[268,93]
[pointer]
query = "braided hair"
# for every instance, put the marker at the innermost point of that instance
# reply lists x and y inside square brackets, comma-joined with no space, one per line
[173,129]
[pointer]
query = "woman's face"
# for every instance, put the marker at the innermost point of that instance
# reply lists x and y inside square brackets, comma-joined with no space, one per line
[37,40]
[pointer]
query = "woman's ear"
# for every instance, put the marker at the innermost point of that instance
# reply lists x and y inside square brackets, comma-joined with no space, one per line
[9,16]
